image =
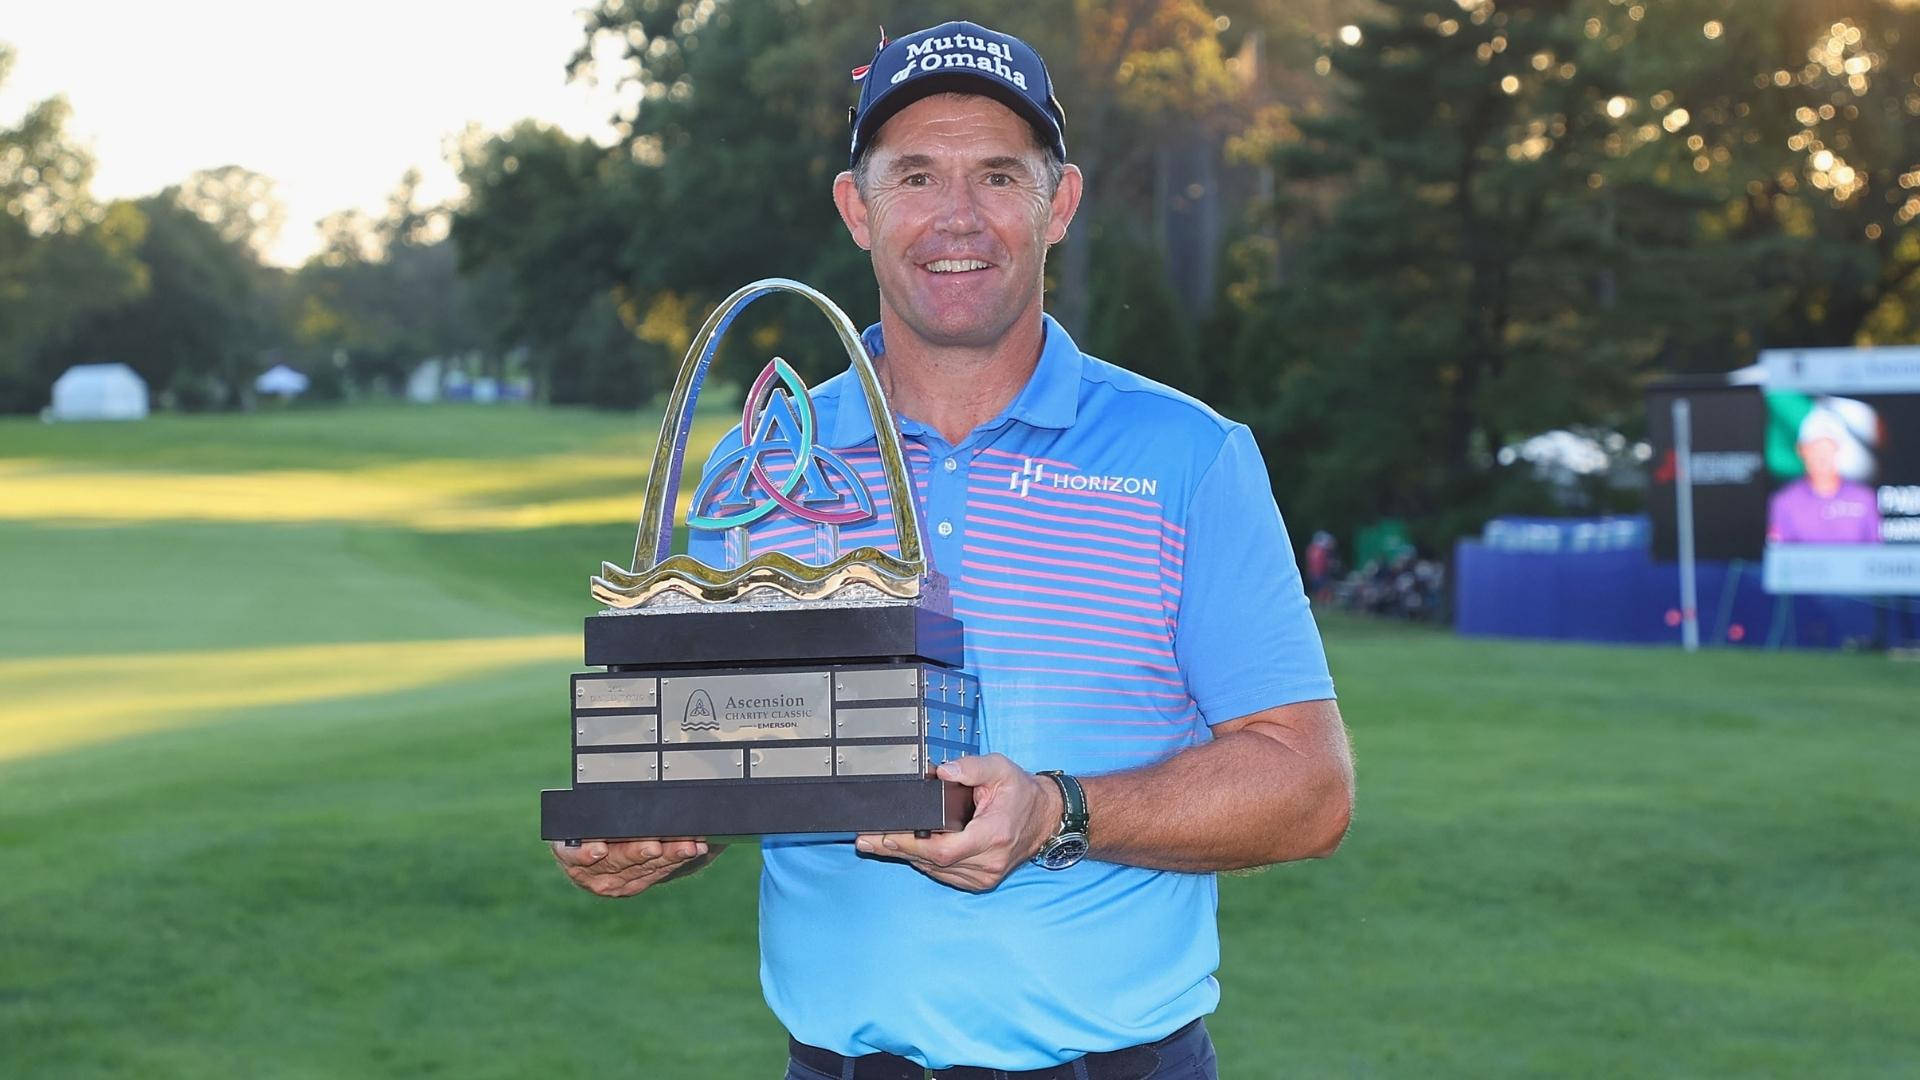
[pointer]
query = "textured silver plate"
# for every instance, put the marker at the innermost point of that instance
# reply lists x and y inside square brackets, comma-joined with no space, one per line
[877,760]
[876,685]
[743,708]
[701,765]
[613,729]
[889,720]
[616,768]
[791,761]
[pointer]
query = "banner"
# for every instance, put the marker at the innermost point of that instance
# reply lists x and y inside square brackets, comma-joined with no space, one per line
[1843,451]
[1730,479]
[1844,513]
[1815,470]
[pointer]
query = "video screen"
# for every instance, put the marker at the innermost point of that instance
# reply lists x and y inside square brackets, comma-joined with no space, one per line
[1843,513]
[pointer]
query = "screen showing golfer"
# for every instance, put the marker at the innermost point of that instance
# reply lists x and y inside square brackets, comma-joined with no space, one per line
[1825,450]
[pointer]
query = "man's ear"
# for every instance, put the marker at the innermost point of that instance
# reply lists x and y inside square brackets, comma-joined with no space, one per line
[853,209]
[1066,200]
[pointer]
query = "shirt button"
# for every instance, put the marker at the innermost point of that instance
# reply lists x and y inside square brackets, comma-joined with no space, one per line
[949,464]
[945,528]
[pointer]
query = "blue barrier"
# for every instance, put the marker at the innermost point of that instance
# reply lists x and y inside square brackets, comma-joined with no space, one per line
[1568,583]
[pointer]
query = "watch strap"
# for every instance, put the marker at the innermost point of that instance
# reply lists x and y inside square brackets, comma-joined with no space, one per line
[1073,802]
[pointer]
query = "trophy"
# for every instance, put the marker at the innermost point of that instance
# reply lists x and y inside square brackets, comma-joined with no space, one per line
[770,694]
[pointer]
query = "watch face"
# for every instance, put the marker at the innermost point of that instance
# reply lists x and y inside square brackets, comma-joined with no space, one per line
[1063,851]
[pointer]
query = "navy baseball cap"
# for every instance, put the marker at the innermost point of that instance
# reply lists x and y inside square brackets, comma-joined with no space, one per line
[957,57]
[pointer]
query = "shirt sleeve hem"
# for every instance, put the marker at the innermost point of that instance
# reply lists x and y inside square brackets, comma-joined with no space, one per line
[1235,706]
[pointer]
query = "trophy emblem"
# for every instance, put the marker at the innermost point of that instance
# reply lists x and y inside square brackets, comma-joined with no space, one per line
[795,689]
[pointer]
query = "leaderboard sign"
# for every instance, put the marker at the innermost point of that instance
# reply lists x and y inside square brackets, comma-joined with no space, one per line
[1729,468]
[1842,445]
[1811,466]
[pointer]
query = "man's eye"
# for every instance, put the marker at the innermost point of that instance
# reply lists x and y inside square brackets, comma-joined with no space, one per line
[917,180]
[999,179]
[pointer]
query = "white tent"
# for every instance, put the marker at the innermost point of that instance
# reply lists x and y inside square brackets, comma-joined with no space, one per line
[281,379]
[423,386]
[98,392]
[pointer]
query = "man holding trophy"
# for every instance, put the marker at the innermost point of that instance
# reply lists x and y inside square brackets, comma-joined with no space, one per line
[1153,700]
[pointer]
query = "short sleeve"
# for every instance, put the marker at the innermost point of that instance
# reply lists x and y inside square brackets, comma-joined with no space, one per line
[1246,639]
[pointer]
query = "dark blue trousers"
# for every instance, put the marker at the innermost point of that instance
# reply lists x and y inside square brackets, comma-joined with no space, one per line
[1187,1054]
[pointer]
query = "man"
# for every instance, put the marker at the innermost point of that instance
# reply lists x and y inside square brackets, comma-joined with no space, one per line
[1112,547]
[1823,506]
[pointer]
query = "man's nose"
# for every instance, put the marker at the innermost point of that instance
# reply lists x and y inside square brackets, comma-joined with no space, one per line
[959,210]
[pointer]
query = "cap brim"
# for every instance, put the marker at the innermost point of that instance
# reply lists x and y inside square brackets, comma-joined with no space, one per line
[896,98]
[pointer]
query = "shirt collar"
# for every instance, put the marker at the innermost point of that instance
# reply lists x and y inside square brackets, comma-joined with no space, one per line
[1051,398]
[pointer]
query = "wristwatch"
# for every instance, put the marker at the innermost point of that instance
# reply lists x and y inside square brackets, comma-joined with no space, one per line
[1068,844]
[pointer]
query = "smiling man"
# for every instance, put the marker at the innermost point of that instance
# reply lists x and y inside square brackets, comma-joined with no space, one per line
[1156,697]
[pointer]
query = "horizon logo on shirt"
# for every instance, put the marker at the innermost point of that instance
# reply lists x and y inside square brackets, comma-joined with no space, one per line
[1030,470]
[1033,472]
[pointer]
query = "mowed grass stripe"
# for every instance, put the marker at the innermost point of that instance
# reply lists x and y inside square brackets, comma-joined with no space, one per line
[440,495]
[176,586]
[56,703]
[346,438]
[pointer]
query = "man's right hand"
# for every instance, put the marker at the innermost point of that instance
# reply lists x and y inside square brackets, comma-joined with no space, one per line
[620,868]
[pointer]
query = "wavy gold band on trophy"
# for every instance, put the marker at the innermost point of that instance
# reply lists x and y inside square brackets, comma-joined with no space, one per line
[898,577]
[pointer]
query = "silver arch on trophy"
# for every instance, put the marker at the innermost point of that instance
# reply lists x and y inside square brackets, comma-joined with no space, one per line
[656,572]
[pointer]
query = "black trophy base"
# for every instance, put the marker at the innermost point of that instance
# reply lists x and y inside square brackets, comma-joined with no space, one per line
[720,810]
[797,635]
[767,722]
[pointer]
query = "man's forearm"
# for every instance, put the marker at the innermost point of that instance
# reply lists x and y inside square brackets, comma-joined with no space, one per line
[1269,788]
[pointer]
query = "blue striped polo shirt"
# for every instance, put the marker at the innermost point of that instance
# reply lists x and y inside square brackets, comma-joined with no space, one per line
[1125,581]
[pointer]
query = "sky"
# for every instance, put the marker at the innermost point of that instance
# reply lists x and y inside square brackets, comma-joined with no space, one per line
[333,101]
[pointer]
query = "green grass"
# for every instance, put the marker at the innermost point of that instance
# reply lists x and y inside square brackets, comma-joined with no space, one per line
[1600,861]
[1567,861]
[331,438]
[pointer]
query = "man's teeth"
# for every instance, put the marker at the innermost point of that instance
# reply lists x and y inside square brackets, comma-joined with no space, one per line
[954,266]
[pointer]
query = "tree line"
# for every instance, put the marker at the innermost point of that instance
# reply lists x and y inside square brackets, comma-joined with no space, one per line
[1393,236]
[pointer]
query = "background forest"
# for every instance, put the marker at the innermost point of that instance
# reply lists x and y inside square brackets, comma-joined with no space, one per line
[1397,237]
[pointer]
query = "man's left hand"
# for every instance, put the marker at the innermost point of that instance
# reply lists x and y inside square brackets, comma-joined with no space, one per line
[1014,812]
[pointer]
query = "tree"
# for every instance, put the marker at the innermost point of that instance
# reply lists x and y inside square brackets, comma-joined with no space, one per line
[727,163]
[385,294]
[1135,312]
[545,221]
[724,166]
[1799,123]
[1450,298]
[63,257]
[197,332]
[1519,209]
[240,205]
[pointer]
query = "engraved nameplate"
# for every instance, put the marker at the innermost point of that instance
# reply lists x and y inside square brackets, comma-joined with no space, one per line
[614,693]
[745,708]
